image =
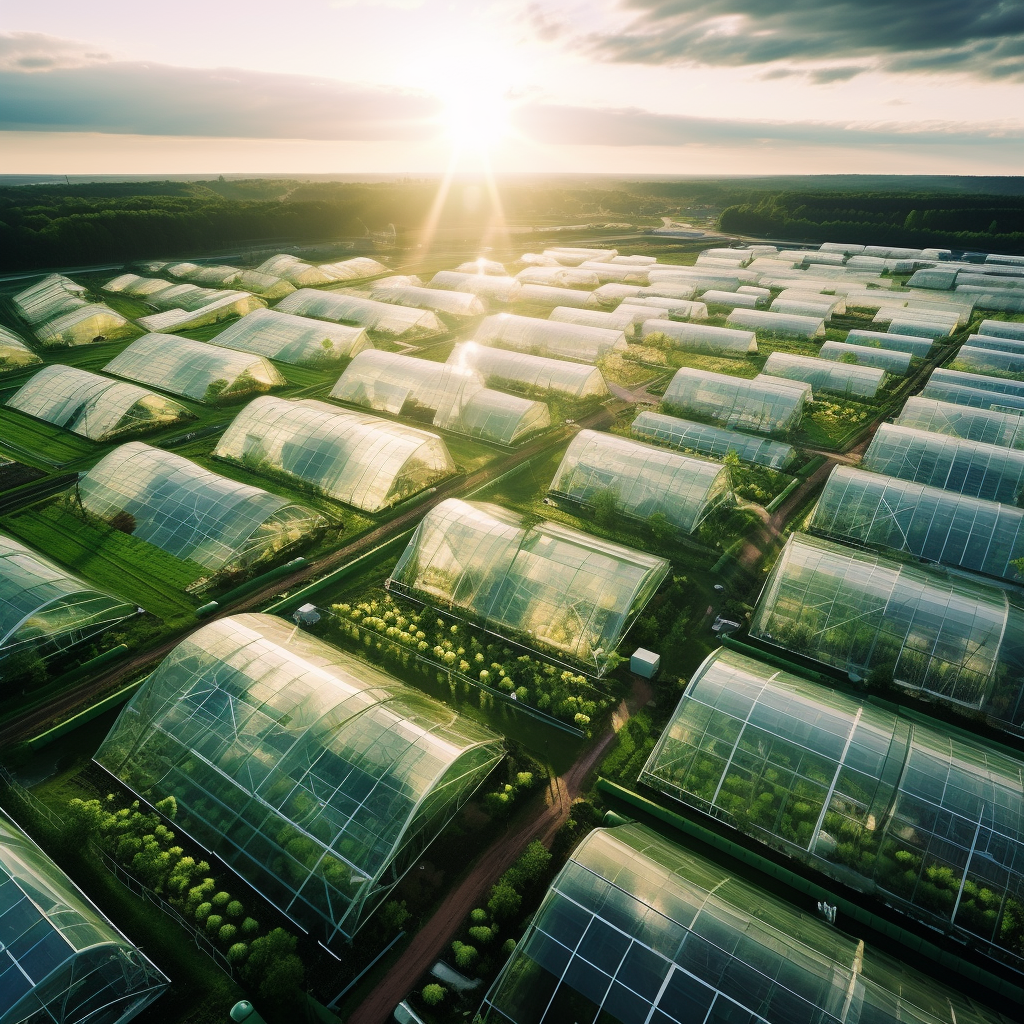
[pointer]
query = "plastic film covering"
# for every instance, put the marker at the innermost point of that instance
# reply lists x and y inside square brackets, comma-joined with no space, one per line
[826,375]
[357,269]
[482,266]
[559,277]
[549,338]
[734,300]
[194,369]
[224,306]
[1002,329]
[137,287]
[319,778]
[948,637]
[986,360]
[784,324]
[763,406]
[981,382]
[545,585]
[965,467]
[90,324]
[43,606]
[217,276]
[266,286]
[453,303]
[804,307]
[382,317]
[634,260]
[996,343]
[188,511]
[49,298]
[491,289]
[919,347]
[507,419]
[897,363]
[719,341]
[706,440]
[1002,428]
[665,308]
[619,320]
[549,297]
[521,370]
[645,480]
[573,256]
[93,406]
[294,271]
[929,822]
[14,353]
[293,339]
[917,328]
[608,272]
[813,294]
[636,929]
[63,961]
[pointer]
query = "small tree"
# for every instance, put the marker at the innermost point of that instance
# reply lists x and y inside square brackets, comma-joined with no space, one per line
[481,934]
[606,504]
[433,995]
[504,902]
[203,911]
[250,926]
[393,916]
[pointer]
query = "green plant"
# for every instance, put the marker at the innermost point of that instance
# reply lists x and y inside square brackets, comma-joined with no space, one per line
[433,994]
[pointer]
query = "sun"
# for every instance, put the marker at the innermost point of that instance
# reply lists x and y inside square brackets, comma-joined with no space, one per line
[475,119]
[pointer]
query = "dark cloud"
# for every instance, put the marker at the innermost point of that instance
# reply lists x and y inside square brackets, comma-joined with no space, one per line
[982,37]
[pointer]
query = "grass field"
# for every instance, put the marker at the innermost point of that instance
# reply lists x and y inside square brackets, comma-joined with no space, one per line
[54,445]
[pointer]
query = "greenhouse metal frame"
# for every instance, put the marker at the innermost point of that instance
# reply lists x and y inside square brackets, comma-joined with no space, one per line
[549,338]
[384,318]
[506,369]
[299,340]
[988,425]
[848,379]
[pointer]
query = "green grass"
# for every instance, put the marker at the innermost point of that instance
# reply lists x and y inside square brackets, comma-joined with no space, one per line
[127,306]
[831,422]
[53,444]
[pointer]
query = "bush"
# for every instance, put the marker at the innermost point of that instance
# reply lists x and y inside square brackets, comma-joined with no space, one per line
[226,933]
[213,923]
[433,995]
[203,911]
[250,926]
[238,952]
[481,934]
[221,900]
[465,955]
[479,916]
[505,901]
[234,909]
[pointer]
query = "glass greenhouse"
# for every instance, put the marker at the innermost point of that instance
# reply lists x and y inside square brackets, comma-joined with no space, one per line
[706,440]
[188,511]
[638,930]
[521,370]
[763,406]
[927,522]
[1002,329]
[719,341]
[317,777]
[897,363]
[381,317]
[784,324]
[927,820]
[454,303]
[365,461]
[992,427]
[847,379]
[194,369]
[947,637]
[953,463]
[62,961]
[974,359]
[549,338]
[645,480]
[493,289]
[46,609]
[293,339]
[543,585]
[95,407]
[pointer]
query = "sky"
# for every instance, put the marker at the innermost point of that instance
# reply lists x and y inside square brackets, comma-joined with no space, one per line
[589,86]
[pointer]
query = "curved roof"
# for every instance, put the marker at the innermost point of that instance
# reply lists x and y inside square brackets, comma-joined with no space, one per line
[550,296]
[1002,329]
[293,339]
[49,298]
[355,269]
[382,317]
[896,342]
[826,375]
[194,369]
[786,324]
[702,337]
[14,353]
[62,960]
[988,425]
[295,271]
[977,359]
[455,303]
[85,325]
[501,367]
[43,604]
[95,407]
[645,480]
[362,460]
[495,416]
[549,338]
[545,585]
[613,321]
[481,266]
[866,355]
[996,342]
[498,289]
[317,777]
[190,512]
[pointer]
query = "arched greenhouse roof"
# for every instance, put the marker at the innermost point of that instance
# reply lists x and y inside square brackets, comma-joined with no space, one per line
[365,461]
[788,325]
[49,298]
[14,353]
[495,416]
[988,425]
[866,355]
[976,359]
[454,303]
[95,407]
[618,320]
[317,777]
[86,325]
[637,929]
[382,317]
[190,512]
[718,341]
[520,369]
[62,960]
[644,479]
[294,271]
[544,585]
[919,347]
[293,339]
[495,289]
[996,342]
[549,338]
[825,375]
[356,269]
[928,821]
[1002,329]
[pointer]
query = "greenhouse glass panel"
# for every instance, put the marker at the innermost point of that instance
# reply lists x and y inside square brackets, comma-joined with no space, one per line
[320,779]
[825,375]
[493,289]
[381,317]
[644,480]
[453,303]
[927,522]
[293,339]
[194,369]
[999,344]
[62,961]
[43,607]
[95,407]
[616,321]
[953,463]
[516,370]
[551,297]
[365,461]
[991,427]
[14,353]
[190,512]
[636,929]
[919,347]
[294,271]
[706,440]
[987,360]
[702,338]
[896,363]
[764,406]
[357,269]
[543,585]
[1002,329]
[549,338]
[786,325]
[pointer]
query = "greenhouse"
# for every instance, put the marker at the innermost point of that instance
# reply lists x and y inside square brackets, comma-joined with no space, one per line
[365,461]
[14,353]
[357,269]
[549,338]
[619,320]
[559,277]
[1002,428]
[847,379]
[215,276]
[718,341]
[492,289]
[317,777]
[988,360]
[382,317]
[787,325]
[62,961]
[916,328]
[46,609]
[266,286]
[481,266]
[953,463]
[975,398]
[453,303]
[919,347]
[93,406]
[221,306]
[814,294]
[928,820]
[506,419]
[644,480]
[293,339]
[805,307]
[946,637]
[764,406]
[513,370]
[549,297]
[896,363]
[87,325]
[999,344]
[49,298]
[664,308]
[543,585]
[998,385]
[295,271]
[926,522]
[734,300]
[616,272]
[706,440]
[194,369]
[1002,329]
[638,930]
[189,512]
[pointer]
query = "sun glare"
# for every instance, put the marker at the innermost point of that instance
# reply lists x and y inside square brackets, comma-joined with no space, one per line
[475,120]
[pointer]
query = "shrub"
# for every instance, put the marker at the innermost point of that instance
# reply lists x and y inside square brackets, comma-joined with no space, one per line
[504,902]
[226,933]
[250,926]
[238,952]
[465,956]
[203,911]
[433,995]
[478,916]
[222,899]
[213,923]
[481,934]
[234,909]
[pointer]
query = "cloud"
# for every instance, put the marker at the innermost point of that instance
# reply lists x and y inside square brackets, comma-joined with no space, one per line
[984,38]
[32,51]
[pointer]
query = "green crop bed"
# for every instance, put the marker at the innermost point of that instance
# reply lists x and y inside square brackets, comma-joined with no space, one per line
[53,444]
